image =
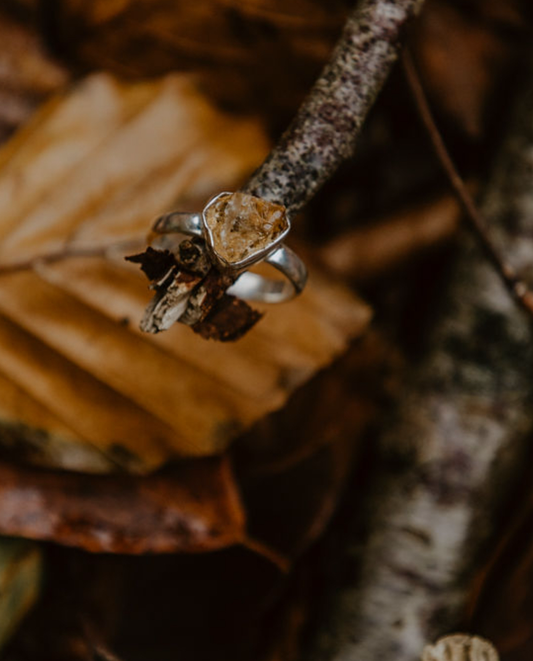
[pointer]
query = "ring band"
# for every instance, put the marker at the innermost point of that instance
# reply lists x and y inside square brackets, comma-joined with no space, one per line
[249,286]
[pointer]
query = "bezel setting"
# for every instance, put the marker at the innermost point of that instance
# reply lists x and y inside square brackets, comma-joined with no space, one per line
[256,256]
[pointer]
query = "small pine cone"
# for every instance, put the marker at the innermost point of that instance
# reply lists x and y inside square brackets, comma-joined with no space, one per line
[460,647]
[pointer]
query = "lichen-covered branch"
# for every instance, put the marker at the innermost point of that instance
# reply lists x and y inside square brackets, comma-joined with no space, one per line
[324,132]
[461,433]
[321,137]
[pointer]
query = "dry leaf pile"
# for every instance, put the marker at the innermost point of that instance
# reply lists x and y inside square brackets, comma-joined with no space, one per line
[197,474]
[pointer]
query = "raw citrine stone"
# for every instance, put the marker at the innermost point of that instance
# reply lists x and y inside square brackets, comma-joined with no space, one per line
[242,226]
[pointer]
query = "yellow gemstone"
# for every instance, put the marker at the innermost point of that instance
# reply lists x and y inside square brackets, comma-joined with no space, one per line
[242,226]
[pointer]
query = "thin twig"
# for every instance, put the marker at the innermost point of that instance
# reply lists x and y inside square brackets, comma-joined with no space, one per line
[98,648]
[268,553]
[70,253]
[512,281]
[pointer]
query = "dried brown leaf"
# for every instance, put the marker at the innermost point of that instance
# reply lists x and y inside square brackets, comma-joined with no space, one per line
[377,248]
[193,508]
[83,388]
[27,74]
[463,58]
[228,42]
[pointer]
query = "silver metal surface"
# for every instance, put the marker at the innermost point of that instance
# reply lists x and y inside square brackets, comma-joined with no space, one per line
[179,222]
[249,286]
[255,287]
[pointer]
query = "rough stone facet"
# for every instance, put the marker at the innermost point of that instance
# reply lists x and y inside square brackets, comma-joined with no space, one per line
[242,226]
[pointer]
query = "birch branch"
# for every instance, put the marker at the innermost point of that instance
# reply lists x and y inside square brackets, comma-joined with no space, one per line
[322,135]
[325,130]
[517,287]
[461,433]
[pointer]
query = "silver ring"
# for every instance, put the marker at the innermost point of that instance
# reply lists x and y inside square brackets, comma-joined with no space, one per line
[235,253]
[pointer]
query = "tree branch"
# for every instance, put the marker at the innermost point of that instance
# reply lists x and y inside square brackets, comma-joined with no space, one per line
[516,286]
[456,448]
[325,130]
[72,252]
[322,135]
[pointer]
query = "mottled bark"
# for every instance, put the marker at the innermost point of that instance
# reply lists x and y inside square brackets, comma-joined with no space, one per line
[191,290]
[461,432]
[321,137]
[324,132]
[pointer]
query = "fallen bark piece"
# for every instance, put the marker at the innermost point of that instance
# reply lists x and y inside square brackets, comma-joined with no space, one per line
[80,386]
[194,508]
[20,582]
[460,647]
[457,446]
[169,304]
[228,320]
[191,291]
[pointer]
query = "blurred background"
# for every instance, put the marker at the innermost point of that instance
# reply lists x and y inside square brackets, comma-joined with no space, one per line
[179,499]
